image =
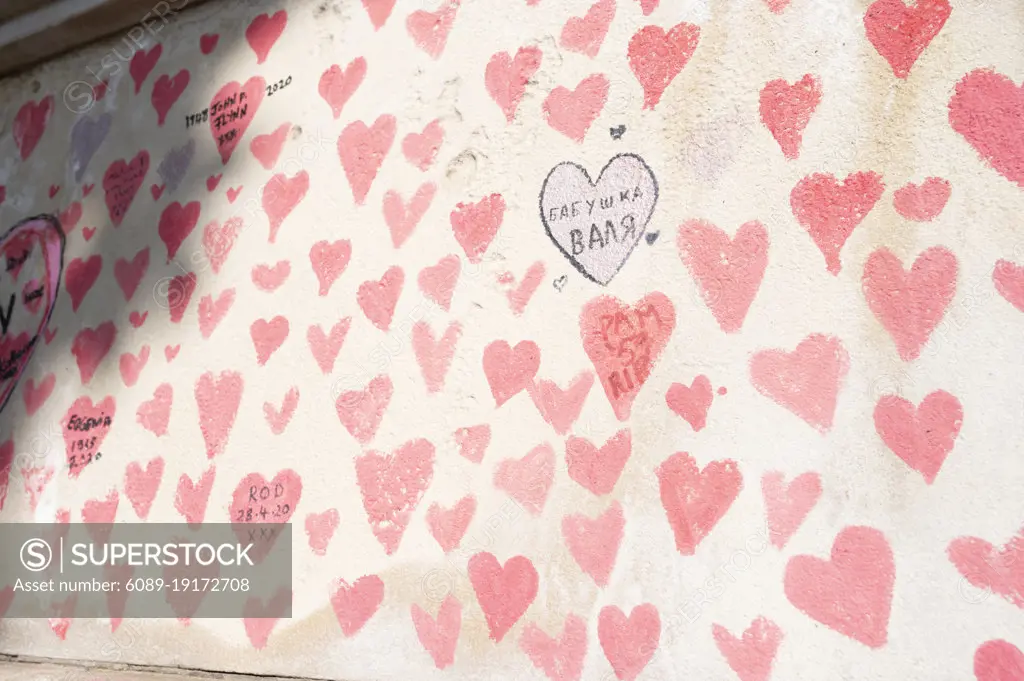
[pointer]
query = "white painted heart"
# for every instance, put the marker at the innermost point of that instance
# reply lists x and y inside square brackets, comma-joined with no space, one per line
[597,225]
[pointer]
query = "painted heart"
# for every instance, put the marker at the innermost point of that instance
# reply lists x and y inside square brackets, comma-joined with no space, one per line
[560,659]
[629,643]
[922,436]
[269,279]
[378,299]
[439,636]
[473,441]
[212,181]
[263,32]
[30,124]
[528,480]
[476,224]
[233,193]
[434,356]
[506,77]
[560,408]
[259,618]
[510,370]
[987,109]
[132,365]
[695,499]
[37,246]
[597,224]
[379,11]
[438,281]
[326,346]
[208,42]
[728,271]
[585,34]
[130,273]
[136,319]
[572,112]
[218,397]
[320,529]
[87,135]
[787,506]
[85,427]
[219,239]
[362,150]
[519,295]
[258,500]
[190,499]
[141,484]
[268,336]
[176,224]
[154,414]
[234,107]
[361,411]
[142,64]
[594,543]
[80,277]
[1008,279]
[91,346]
[337,86]
[691,402]
[354,604]
[805,381]
[999,570]
[910,305]
[830,210]
[166,92]
[624,343]
[420,149]
[278,419]
[267,148]
[392,486]
[402,217]
[923,202]
[787,109]
[656,57]
[852,592]
[598,468]
[901,33]
[448,526]
[752,655]
[329,261]
[121,183]
[998,661]
[504,592]
[281,195]
[429,30]
[35,396]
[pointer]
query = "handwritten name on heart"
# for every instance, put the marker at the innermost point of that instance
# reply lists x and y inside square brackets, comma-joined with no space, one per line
[597,224]
[35,246]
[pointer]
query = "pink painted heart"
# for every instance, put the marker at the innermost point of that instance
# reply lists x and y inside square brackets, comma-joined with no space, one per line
[402,217]
[510,370]
[434,356]
[326,346]
[691,402]
[594,543]
[70,216]
[830,210]
[1008,279]
[805,381]
[281,195]
[438,281]
[695,499]
[506,77]
[378,299]
[476,224]
[361,411]
[473,441]
[560,408]
[752,655]
[429,30]
[90,347]
[179,295]
[585,34]
[35,396]
[519,296]
[901,32]
[504,592]
[922,436]
[448,526]
[560,659]
[998,661]
[787,506]
[267,148]
[851,592]
[190,499]
[629,643]
[264,31]
[657,56]
[528,480]
[132,365]
[268,336]
[219,239]
[86,425]
[267,278]
[141,485]
[329,261]
[598,469]
[337,86]
[320,529]
[213,310]
[354,604]
[923,202]
[392,486]
[29,125]
[154,414]
[258,500]
[999,570]
[130,273]
[572,112]
[166,92]
[420,149]
[910,305]
[259,618]
[218,397]
[987,109]
[362,150]
[234,107]
[439,636]
[279,418]
[142,64]
[233,193]
[624,342]
[787,109]
[379,11]
[208,42]
[176,224]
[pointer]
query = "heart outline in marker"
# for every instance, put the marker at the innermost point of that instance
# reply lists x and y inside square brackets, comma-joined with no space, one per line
[594,184]
[47,229]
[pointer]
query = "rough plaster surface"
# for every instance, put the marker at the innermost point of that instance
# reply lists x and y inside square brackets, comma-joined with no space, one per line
[806,358]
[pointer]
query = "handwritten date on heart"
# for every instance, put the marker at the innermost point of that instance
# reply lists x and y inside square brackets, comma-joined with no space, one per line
[597,225]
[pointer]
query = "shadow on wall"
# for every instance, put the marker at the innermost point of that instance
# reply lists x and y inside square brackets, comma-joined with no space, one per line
[127,155]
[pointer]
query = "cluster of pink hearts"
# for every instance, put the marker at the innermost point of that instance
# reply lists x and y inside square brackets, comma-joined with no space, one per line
[851,593]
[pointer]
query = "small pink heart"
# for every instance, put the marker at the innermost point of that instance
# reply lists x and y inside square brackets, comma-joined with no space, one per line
[88,232]
[233,193]
[136,319]
[87,189]
[171,351]
[157,191]
[212,182]
[54,188]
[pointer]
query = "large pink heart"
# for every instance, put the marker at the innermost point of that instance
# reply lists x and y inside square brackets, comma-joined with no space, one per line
[35,245]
